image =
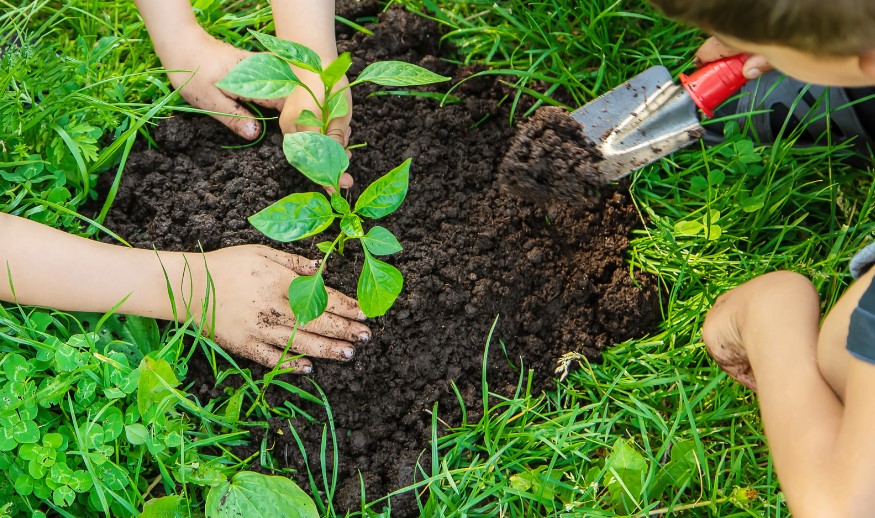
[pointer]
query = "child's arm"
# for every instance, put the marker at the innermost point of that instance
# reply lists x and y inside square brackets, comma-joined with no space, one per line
[311,23]
[182,44]
[47,267]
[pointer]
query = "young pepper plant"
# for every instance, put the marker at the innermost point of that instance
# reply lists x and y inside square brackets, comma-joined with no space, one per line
[323,160]
[269,75]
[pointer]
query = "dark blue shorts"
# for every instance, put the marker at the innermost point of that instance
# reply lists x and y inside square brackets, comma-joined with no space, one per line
[861,332]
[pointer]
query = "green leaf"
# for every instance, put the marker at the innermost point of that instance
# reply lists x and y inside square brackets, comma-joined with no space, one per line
[93,436]
[625,479]
[156,382]
[202,474]
[325,246]
[68,358]
[260,76]
[385,195]
[24,484]
[307,297]
[16,368]
[398,73]
[53,440]
[379,285]
[235,405]
[294,217]
[63,496]
[136,433]
[340,204]
[318,157]
[164,507]
[81,481]
[113,424]
[336,70]
[688,228]
[26,432]
[253,494]
[337,106]
[308,119]
[380,241]
[294,53]
[351,225]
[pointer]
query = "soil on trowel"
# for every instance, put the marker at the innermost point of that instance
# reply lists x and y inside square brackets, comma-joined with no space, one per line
[554,274]
[550,159]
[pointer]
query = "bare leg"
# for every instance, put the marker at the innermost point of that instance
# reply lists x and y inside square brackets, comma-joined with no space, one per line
[772,323]
[832,356]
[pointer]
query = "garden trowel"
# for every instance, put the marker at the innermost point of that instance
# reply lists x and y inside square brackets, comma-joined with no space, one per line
[650,116]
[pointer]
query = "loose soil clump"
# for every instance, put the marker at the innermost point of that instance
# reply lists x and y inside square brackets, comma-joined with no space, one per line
[554,275]
[551,159]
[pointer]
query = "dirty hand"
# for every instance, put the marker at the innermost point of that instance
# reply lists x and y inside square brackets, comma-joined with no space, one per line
[300,100]
[714,49]
[252,314]
[210,59]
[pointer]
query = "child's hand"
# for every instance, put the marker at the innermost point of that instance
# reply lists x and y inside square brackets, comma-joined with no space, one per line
[252,313]
[300,100]
[714,49]
[210,59]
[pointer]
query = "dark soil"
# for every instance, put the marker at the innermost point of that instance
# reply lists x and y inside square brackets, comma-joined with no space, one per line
[550,158]
[553,274]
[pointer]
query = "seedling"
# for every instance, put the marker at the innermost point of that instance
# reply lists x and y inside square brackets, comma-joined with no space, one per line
[322,160]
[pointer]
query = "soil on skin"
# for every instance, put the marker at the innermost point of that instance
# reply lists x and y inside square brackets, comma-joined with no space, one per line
[554,274]
[550,158]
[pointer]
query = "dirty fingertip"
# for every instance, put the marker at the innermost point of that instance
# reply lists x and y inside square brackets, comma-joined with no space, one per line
[346,180]
[300,366]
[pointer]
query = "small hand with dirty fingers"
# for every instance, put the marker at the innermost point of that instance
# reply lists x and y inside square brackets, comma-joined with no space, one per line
[197,65]
[253,317]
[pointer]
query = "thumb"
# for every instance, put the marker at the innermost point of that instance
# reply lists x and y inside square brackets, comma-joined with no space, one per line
[756,66]
[239,119]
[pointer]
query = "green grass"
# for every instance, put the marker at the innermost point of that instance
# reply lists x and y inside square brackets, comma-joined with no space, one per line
[655,430]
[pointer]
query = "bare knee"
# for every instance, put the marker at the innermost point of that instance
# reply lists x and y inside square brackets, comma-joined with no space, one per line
[791,285]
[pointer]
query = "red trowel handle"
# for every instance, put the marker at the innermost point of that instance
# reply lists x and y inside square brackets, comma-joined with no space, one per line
[715,82]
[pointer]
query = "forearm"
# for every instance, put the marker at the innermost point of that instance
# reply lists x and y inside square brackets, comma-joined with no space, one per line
[308,22]
[46,267]
[168,23]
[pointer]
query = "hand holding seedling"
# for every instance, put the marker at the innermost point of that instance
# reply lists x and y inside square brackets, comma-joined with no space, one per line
[252,314]
[324,160]
[243,290]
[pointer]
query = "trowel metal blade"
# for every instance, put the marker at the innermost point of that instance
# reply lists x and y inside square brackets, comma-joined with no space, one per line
[639,122]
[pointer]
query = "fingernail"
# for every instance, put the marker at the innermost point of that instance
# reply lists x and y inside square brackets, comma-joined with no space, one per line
[307,369]
[316,263]
[697,62]
[364,336]
[753,73]
[361,315]
[347,352]
[252,129]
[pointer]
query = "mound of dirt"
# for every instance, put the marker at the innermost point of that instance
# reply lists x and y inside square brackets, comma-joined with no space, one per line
[550,159]
[553,274]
